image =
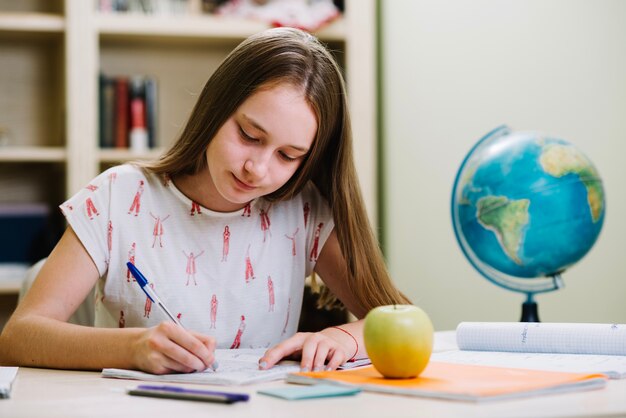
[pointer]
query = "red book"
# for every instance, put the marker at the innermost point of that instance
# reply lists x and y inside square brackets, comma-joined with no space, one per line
[121,112]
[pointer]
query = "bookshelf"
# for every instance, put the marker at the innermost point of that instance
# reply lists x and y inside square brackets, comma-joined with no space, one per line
[55,50]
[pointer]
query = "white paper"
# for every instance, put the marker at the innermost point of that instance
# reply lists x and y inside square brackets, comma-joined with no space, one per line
[564,347]
[565,338]
[7,376]
[236,367]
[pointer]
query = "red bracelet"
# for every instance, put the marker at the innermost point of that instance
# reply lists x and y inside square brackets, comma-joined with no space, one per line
[355,342]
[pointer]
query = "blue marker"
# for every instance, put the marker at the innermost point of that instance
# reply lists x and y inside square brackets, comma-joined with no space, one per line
[149,291]
[175,392]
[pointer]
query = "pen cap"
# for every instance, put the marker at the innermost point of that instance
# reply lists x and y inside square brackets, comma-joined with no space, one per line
[137,274]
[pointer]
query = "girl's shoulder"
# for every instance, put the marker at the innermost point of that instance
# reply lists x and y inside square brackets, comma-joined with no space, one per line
[124,172]
[129,174]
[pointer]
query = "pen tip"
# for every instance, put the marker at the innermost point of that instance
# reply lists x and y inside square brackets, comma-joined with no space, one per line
[215,365]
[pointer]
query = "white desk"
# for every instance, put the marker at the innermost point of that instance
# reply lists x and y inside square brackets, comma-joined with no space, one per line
[61,393]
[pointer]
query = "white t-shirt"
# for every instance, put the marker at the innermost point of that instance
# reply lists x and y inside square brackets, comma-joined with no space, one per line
[237,276]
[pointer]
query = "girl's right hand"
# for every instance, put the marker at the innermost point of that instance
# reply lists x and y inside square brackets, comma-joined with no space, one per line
[169,348]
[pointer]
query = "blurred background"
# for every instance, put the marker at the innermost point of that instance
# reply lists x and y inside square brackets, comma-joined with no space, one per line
[426,80]
[452,71]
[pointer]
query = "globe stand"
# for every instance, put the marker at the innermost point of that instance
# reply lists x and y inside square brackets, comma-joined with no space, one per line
[529,310]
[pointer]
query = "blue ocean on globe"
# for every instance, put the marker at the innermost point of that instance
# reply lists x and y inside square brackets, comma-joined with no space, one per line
[526,205]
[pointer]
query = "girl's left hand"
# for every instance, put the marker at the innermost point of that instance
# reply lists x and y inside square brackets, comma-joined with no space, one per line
[317,351]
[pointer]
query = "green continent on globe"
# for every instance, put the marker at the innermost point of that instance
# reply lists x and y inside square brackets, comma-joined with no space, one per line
[506,218]
[559,160]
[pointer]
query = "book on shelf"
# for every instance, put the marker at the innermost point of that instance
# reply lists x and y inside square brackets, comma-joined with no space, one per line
[121,110]
[25,230]
[566,347]
[459,382]
[128,112]
[150,91]
[107,113]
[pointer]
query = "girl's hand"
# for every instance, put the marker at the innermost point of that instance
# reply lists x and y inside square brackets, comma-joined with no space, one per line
[317,351]
[168,348]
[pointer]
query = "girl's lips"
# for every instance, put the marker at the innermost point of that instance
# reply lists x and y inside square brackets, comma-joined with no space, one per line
[243,185]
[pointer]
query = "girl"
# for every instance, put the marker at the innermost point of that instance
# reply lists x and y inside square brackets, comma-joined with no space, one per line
[267,148]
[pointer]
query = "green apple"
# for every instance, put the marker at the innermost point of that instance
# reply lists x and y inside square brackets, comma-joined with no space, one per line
[398,340]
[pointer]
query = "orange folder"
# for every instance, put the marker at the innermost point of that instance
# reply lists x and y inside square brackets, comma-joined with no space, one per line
[461,382]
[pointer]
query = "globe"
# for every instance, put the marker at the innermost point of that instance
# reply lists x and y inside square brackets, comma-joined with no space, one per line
[525,207]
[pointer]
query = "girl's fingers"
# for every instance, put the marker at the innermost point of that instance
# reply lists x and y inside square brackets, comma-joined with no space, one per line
[290,346]
[317,352]
[186,351]
[337,358]
[322,350]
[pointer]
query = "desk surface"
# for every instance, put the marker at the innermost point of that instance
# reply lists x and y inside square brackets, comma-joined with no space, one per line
[62,393]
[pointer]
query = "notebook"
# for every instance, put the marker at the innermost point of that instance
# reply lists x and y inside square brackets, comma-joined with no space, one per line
[236,367]
[7,377]
[566,347]
[460,382]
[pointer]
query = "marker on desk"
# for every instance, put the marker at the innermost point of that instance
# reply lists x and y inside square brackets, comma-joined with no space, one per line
[150,292]
[175,392]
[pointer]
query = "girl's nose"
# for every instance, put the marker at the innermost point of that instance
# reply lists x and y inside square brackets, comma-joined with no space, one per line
[257,166]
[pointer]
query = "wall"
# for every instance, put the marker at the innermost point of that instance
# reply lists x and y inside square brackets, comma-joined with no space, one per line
[453,70]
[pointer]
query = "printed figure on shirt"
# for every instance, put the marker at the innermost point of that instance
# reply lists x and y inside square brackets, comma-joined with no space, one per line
[112,177]
[287,318]
[91,208]
[136,205]
[247,210]
[316,241]
[157,231]
[242,327]
[91,187]
[226,243]
[249,270]
[191,266]
[306,209]
[131,259]
[270,291]
[292,237]
[110,237]
[148,306]
[214,304]
[122,321]
[195,207]
[265,224]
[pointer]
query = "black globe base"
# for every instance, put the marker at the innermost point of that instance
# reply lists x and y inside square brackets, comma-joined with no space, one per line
[529,312]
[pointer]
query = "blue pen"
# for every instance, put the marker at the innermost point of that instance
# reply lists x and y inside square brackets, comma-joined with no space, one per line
[143,282]
[149,291]
[175,392]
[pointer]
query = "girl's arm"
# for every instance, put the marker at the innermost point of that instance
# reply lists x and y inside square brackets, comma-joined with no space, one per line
[331,347]
[38,335]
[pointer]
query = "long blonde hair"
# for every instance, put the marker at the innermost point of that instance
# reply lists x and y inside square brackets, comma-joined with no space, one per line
[296,57]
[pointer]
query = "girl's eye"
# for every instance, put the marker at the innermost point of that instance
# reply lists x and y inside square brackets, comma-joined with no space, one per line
[245,136]
[286,157]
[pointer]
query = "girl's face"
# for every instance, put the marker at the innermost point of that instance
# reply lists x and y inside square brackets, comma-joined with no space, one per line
[260,146]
